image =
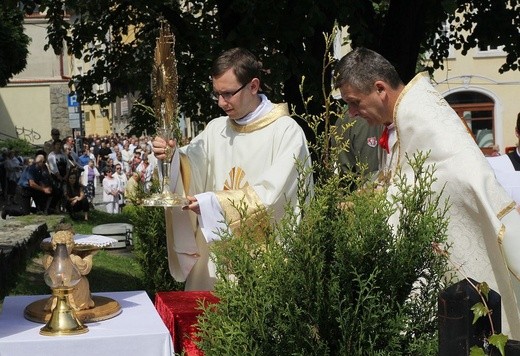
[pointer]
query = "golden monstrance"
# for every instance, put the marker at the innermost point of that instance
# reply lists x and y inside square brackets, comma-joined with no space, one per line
[164,86]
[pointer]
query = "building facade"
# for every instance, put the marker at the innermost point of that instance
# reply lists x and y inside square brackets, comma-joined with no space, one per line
[486,99]
[37,99]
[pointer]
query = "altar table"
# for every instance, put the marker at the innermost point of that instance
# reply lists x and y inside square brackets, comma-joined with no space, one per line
[179,311]
[137,331]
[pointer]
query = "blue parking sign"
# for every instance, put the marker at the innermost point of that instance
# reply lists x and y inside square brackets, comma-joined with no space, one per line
[72,100]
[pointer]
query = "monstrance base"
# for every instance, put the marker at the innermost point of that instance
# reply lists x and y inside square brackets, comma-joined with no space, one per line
[165,199]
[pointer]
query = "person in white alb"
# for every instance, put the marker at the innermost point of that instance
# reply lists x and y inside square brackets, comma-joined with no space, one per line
[483,223]
[251,154]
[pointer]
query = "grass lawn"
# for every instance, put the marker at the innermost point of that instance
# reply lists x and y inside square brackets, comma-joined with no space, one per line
[113,270]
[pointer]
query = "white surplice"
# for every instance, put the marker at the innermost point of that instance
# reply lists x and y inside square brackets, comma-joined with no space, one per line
[483,224]
[254,162]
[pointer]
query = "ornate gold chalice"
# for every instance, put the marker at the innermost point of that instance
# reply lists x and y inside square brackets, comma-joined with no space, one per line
[164,85]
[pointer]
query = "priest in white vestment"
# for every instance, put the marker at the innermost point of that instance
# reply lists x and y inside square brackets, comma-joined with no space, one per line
[249,155]
[484,227]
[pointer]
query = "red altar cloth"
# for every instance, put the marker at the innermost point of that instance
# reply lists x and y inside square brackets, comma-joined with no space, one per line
[179,311]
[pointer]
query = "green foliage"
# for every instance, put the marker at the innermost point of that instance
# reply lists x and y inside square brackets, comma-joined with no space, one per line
[499,341]
[476,351]
[479,310]
[484,289]
[150,248]
[342,281]
[13,42]
[149,236]
[23,147]
[470,28]
[142,116]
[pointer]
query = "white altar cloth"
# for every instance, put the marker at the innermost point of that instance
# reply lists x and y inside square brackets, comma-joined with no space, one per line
[137,331]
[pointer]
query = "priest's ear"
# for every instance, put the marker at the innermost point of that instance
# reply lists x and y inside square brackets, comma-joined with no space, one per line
[255,85]
[380,86]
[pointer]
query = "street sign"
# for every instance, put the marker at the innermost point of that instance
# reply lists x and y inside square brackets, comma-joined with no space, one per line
[74,120]
[72,100]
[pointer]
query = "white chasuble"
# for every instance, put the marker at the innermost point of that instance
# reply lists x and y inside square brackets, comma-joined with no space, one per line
[481,213]
[253,163]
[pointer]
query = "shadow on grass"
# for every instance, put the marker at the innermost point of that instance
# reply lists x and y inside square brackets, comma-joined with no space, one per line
[31,283]
[112,272]
[96,217]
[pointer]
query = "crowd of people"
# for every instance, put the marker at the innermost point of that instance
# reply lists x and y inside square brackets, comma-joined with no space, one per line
[63,176]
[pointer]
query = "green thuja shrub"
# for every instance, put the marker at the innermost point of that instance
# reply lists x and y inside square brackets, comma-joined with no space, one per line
[354,273]
[149,235]
[341,281]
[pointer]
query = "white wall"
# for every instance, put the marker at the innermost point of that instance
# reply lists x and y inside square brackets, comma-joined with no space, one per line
[25,113]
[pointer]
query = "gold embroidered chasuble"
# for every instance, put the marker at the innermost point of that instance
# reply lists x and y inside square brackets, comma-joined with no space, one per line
[424,122]
[253,163]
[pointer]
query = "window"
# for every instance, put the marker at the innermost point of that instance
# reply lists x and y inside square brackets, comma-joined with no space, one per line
[477,110]
[490,51]
[488,48]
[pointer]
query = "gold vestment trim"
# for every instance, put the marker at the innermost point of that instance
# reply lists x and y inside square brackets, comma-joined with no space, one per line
[278,111]
[234,202]
[500,215]
[185,172]
[506,210]
[396,107]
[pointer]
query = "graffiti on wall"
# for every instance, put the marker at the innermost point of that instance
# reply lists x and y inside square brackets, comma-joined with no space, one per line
[27,134]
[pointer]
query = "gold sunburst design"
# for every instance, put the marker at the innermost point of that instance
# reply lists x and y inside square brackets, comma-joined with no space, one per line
[236,176]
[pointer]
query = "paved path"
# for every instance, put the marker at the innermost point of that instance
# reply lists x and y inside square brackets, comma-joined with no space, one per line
[98,199]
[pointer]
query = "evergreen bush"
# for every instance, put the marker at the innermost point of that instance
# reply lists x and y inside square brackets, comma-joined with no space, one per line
[149,235]
[342,281]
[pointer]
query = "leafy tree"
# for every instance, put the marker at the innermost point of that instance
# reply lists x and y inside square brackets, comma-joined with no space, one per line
[118,37]
[481,23]
[13,42]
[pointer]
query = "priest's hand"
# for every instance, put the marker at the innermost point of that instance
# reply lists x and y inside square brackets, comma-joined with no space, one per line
[193,205]
[161,147]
